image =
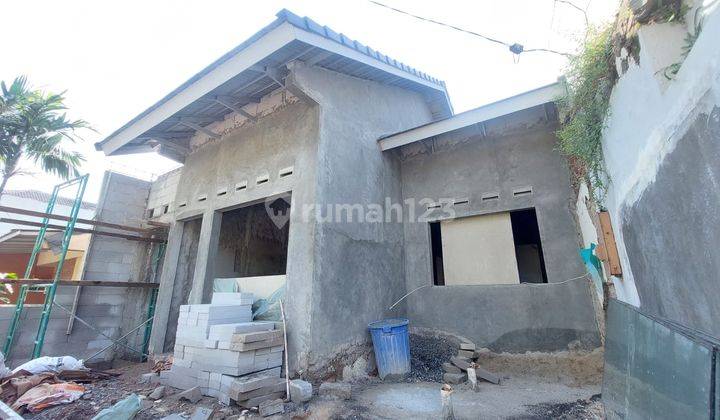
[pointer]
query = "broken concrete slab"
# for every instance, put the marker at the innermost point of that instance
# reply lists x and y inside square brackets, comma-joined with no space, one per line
[487,375]
[467,346]
[157,393]
[300,391]
[336,390]
[271,407]
[468,354]
[454,378]
[461,362]
[193,394]
[450,368]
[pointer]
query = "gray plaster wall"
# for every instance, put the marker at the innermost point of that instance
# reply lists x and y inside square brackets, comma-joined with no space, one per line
[286,137]
[359,268]
[671,232]
[509,152]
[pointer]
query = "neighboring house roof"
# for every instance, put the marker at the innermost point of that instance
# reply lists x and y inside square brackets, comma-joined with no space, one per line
[45,198]
[526,100]
[254,69]
[18,242]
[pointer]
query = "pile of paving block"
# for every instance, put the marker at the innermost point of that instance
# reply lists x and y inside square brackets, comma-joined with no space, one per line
[456,371]
[220,350]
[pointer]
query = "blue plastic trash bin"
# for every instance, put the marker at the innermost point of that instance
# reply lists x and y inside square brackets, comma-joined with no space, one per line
[392,346]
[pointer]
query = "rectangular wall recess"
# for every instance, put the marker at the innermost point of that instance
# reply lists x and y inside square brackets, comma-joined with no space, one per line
[521,191]
[202,198]
[490,196]
[241,186]
[262,179]
[286,172]
[221,191]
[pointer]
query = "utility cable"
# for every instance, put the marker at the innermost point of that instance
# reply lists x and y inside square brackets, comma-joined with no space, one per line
[515,48]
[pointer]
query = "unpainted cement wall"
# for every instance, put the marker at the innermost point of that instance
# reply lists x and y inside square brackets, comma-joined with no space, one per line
[358,265]
[661,151]
[507,153]
[286,137]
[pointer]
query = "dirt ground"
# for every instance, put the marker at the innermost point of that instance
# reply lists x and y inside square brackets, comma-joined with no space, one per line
[562,385]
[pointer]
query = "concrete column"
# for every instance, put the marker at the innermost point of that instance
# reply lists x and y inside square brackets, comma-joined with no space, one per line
[205,262]
[167,283]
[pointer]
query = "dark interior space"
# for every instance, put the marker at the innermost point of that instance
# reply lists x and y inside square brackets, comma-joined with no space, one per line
[437,254]
[254,240]
[528,247]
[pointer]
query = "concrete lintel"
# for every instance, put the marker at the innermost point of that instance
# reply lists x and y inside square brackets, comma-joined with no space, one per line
[165,291]
[205,261]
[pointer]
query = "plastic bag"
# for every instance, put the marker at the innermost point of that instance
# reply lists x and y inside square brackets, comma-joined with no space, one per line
[4,371]
[48,395]
[122,410]
[269,309]
[50,364]
[226,285]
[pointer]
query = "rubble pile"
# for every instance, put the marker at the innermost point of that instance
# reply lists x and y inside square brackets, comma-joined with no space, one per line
[221,351]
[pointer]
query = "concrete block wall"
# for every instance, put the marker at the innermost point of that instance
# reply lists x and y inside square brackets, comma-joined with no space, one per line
[101,307]
[161,199]
[123,200]
[513,151]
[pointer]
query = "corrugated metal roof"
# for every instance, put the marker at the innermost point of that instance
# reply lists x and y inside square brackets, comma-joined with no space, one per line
[251,84]
[44,197]
[310,25]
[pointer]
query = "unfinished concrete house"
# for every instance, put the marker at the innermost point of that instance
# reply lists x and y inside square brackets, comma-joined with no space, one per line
[313,162]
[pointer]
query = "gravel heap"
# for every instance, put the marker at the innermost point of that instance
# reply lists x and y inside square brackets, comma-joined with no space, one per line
[427,354]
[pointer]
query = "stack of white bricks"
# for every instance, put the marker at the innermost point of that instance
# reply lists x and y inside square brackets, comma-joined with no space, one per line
[219,349]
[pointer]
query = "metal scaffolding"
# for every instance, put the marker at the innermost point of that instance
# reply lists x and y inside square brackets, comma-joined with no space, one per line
[50,289]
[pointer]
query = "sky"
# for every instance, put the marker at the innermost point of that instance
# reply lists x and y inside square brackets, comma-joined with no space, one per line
[115,59]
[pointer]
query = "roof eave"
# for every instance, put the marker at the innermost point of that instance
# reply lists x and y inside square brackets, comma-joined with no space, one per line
[526,100]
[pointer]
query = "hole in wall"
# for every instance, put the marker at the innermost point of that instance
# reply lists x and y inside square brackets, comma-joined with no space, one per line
[520,191]
[262,179]
[240,186]
[286,172]
[436,253]
[490,196]
[528,246]
[202,198]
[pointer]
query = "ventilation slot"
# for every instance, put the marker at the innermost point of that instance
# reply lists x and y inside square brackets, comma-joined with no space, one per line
[262,179]
[461,201]
[434,206]
[490,196]
[240,186]
[183,204]
[221,192]
[202,198]
[286,172]
[521,191]
[166,208]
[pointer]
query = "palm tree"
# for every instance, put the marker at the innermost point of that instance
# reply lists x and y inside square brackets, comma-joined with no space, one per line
[34,126]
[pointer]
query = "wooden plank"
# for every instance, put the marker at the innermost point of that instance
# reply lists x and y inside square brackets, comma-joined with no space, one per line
[79,220]
[613,258]
[96,283]
[81,230]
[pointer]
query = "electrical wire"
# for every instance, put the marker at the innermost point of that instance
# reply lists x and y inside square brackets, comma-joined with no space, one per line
[515,48]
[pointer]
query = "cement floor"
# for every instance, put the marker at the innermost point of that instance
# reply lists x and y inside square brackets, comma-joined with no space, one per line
[515,398]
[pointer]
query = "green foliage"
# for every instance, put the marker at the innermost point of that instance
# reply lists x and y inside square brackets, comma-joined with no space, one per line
[590,79]
[690,37]
[670,11]
[33,125]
